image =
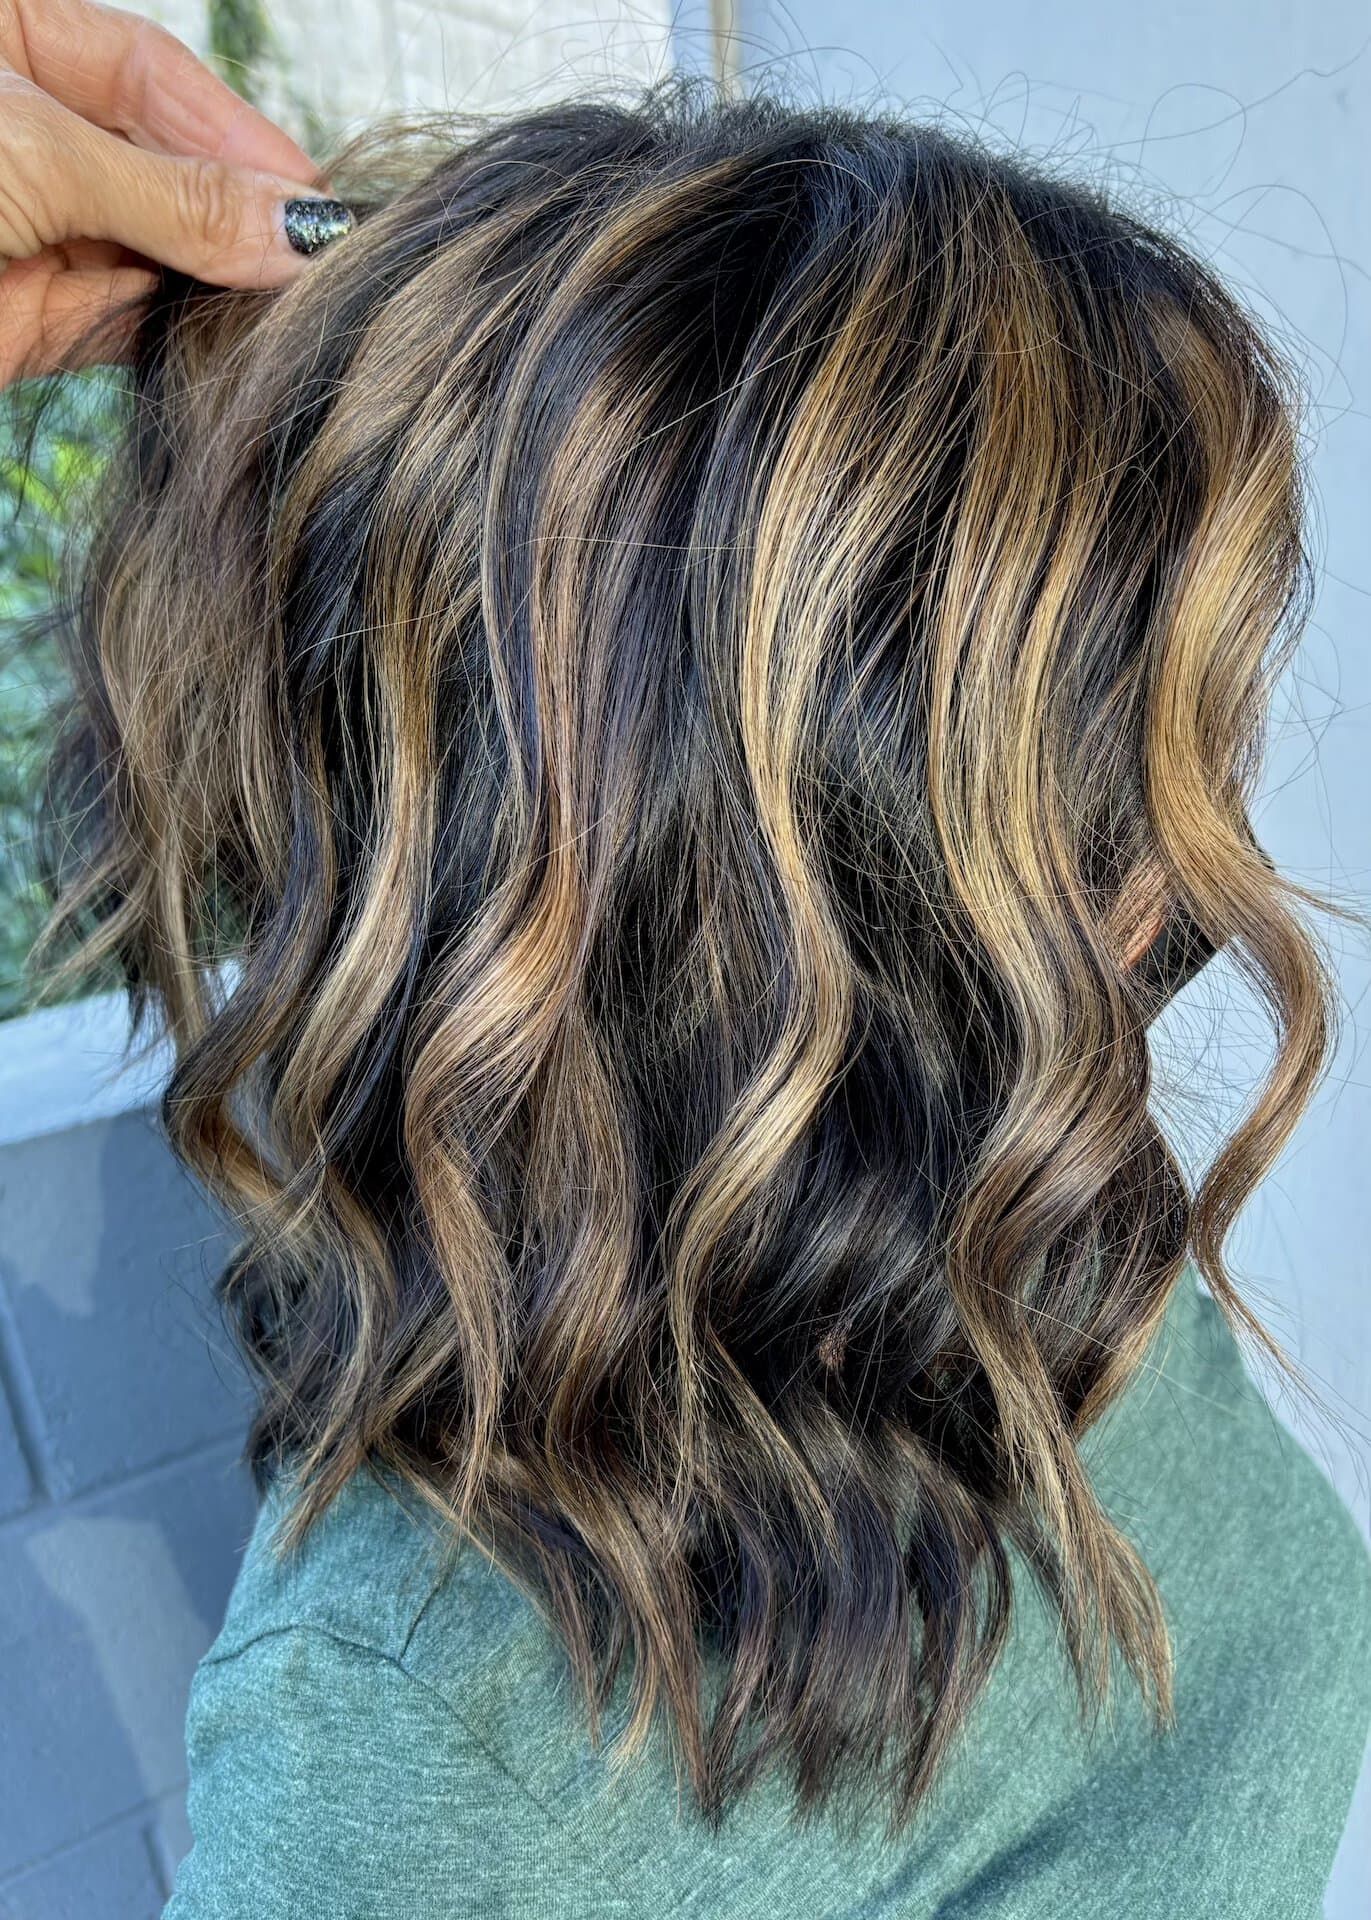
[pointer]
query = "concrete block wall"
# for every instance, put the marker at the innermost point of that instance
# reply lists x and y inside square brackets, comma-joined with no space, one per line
[123,1510]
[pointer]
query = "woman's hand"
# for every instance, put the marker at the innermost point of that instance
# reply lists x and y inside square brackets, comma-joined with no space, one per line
[119,149]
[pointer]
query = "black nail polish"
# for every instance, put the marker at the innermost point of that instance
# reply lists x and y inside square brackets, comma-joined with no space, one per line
[313,224]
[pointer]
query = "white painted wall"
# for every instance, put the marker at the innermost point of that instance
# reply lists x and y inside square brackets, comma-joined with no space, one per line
[350,61]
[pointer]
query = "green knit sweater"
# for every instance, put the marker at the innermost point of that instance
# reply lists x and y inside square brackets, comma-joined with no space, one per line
[369,1737]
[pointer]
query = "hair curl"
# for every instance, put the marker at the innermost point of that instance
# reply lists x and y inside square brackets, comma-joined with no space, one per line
[674,663]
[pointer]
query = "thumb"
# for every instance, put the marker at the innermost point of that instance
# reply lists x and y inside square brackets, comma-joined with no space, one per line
[228,225]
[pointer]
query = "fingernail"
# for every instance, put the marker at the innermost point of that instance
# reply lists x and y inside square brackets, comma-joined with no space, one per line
[313,224]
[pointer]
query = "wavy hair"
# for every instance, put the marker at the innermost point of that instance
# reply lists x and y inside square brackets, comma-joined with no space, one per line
[674,664]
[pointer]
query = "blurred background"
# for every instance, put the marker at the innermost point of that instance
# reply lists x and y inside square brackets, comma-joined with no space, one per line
[1242,124]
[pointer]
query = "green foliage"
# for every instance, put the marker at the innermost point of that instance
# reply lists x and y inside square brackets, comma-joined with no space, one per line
[53,445]
[248,54]
[240,42]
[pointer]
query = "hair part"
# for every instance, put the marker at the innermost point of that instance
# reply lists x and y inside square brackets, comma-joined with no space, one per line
[669,662]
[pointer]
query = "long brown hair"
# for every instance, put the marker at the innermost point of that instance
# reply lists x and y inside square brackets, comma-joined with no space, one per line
[673,665]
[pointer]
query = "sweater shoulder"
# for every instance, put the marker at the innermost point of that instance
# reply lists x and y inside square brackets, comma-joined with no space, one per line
[362,1574]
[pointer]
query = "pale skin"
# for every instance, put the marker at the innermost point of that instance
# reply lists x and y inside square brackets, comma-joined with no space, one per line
[1140,911]
[119,150]
[1144,938]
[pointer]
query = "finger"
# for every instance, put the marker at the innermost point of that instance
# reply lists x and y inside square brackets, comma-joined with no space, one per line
[131,76]
[222,224]
[58,321]
[83,256]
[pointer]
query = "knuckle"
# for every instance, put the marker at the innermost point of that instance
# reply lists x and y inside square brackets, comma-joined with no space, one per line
[11,33]
[211,203]
[32,173]
[130,79]
[147,48]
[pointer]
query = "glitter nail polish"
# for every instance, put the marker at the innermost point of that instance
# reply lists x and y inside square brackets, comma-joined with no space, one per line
[312,224]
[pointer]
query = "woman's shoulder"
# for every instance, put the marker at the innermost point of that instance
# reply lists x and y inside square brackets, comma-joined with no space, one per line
[362,1573]
[321,1755]
[1263,1571]
[1265,1577]
[1238,1523]
[373,1695]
